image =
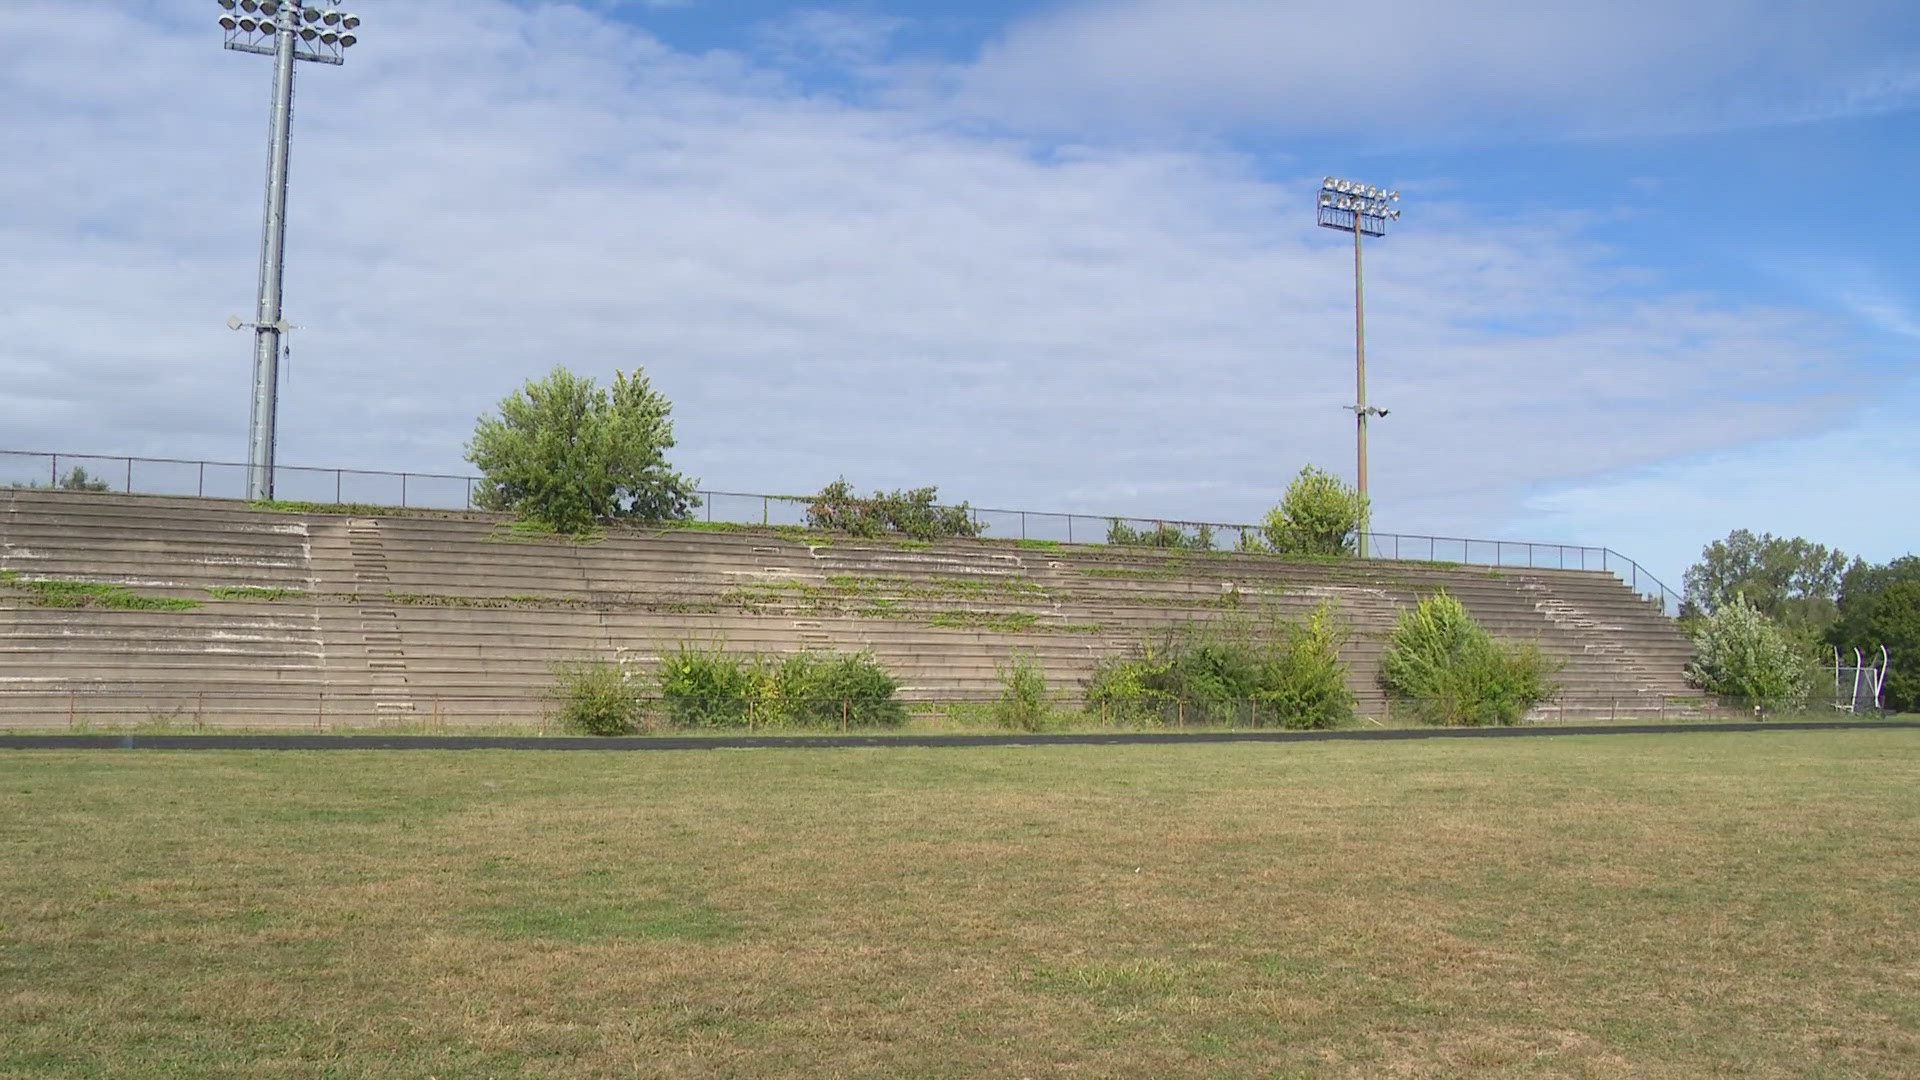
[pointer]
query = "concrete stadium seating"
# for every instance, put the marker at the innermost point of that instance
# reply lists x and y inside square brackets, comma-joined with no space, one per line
[457,619]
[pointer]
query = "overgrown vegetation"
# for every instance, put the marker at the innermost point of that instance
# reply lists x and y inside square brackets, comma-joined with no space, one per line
[77,479]
[1319,515]
[1741,654]
[91,594]
[913,514]
[1162,535]
[595,697]
[254,592]
[708,687]
[298,506]
[565,453]
[1447,669]
[1023,704]
[1256,671]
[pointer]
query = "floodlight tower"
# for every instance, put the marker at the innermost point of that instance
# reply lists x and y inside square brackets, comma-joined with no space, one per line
[318,31]
[1360,209]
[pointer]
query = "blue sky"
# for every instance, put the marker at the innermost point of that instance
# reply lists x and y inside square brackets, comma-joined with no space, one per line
[1655,279]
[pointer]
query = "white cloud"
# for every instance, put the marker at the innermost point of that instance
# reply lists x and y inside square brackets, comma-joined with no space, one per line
[1483,67]
[487,190]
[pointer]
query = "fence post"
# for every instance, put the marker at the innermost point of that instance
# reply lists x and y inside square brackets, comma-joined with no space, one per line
[1069,528]
[469,492]
[764,516]
[336,487]
[53,471]
[1023,524]
[129,476]
[403,489]
[202,490]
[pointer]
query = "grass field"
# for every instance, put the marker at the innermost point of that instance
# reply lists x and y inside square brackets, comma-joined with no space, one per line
[1620,906]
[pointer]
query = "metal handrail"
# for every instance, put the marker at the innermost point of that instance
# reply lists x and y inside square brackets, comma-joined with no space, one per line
[419,490]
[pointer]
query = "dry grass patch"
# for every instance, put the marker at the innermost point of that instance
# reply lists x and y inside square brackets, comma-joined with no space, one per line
[1677,906]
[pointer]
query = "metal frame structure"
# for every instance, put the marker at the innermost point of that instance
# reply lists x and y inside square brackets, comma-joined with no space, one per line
[1361,209]
[316,31]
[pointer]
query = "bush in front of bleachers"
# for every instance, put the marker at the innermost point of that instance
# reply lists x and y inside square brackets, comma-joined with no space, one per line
[708,687]
[1447,669]
[595,697]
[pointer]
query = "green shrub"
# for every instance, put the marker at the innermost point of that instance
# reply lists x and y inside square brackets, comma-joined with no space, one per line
[821,689]
[1162,535]
[912,514]
[595,697]
[1449,670]
[1739,653]
[702,687]
[708,687]
[1305,682]
[1267,671]
[1023,704]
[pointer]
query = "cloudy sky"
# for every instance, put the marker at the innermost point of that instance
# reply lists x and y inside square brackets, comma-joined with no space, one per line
[1656,277]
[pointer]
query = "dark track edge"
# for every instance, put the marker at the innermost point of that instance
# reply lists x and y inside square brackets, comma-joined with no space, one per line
[825,742]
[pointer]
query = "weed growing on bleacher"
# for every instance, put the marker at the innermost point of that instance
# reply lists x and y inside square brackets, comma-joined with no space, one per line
[1447,669]
[595,697]
[295,506]
[92,594]
[708,687]
[254,592]
[1005,622]
[1257,671]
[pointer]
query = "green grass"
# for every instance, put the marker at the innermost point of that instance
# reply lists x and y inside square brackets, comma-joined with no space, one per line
[296,506]
[92,594]
[254,592]
[1005,622]
[1644,906]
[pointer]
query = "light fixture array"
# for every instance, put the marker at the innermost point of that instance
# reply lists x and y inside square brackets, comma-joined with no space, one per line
[326,31]
[1358,198]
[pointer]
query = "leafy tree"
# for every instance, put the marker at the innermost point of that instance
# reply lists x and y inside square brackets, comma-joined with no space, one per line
[1880,606]
[1740,653]
[566,453]
[1319,515]
[1792,581]
[907,513]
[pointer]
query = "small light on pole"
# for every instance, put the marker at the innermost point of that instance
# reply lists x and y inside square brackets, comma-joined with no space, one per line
[1362,210]
[287,32]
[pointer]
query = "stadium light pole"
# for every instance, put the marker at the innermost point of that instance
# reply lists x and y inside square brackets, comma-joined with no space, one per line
[1362,210]
[320,32]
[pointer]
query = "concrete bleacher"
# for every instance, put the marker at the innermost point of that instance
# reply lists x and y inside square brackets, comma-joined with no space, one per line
[459,619]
